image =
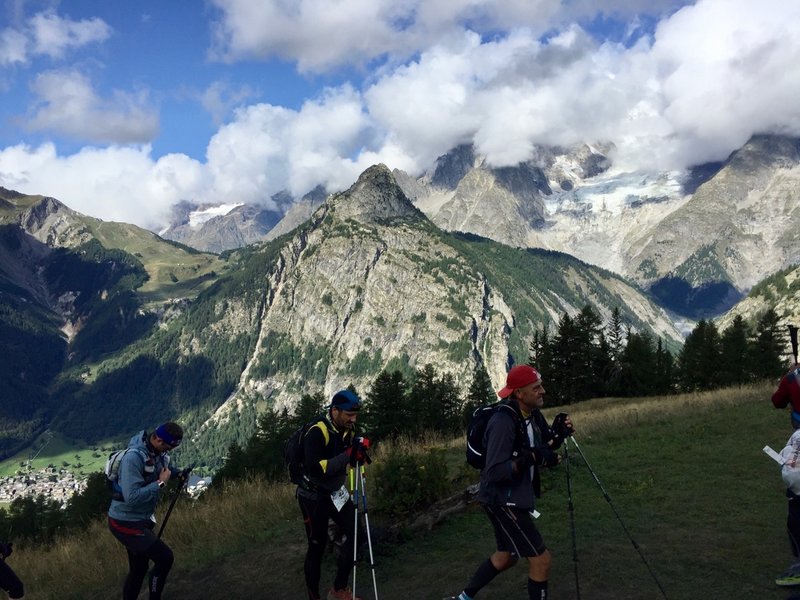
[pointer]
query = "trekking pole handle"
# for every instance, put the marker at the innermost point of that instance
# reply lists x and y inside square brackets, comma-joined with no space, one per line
[793,340]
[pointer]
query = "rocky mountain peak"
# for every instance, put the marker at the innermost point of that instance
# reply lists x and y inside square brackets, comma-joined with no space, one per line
[453,166]
[766,152]
[374,198]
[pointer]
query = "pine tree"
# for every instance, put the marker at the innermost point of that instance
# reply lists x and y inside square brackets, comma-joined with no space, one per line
[767,348]
[449,404]
[433,402]
[588,330]
[309,407]
[734,368]
[541,352]
[561,389]
[638,366]
[665,372]
[699,358]
[386,412]
[615,336]
[480,392]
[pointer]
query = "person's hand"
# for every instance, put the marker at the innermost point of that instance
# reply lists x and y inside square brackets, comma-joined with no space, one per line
[545,457]
[358,451]
[164,475]
[562,426]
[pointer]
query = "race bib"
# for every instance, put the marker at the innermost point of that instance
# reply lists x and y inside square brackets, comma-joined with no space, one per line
[340,497]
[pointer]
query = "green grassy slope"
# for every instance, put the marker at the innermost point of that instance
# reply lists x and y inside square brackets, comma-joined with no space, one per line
[686,474]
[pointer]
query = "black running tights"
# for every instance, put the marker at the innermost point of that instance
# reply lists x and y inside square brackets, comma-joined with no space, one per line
[138,562]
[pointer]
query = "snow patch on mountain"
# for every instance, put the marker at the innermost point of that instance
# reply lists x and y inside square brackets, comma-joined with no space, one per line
[198,217]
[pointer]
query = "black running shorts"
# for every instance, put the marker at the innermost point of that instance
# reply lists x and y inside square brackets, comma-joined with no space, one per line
[514,531]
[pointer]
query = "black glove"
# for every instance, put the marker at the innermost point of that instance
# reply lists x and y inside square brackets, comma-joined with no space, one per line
[358,451]
[6,549]
[544,457]
[183,474]
[560,427]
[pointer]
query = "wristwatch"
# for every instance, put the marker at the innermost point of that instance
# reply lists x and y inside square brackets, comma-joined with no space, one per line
[161,483]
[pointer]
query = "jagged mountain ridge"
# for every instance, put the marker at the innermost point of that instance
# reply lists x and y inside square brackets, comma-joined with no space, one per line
[693,238]
[216,228]
[741,225]
[697,236]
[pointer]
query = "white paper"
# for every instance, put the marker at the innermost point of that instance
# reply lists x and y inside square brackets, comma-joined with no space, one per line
[774,455]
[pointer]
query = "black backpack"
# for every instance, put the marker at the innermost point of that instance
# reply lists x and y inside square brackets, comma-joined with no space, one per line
[476,428]
[293,454]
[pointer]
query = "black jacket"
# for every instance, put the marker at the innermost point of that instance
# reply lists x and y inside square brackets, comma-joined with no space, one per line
[506,439]
[325,456]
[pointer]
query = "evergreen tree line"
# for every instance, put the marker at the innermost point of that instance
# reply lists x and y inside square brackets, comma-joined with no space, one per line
[585,359]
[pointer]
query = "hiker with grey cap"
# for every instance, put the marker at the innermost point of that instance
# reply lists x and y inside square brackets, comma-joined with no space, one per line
[144,471]
[518,442]
[329,447]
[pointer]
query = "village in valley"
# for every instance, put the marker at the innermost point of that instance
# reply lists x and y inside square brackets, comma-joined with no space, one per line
[53,483]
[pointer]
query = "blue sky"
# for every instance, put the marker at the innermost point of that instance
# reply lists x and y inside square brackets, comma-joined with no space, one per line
[122,109]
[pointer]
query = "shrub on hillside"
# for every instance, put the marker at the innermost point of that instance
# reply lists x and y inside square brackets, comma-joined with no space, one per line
[406,481]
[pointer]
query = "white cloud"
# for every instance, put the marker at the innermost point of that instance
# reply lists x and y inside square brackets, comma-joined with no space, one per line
[711,75]
[267,149]
[13,47]
[48,34]
[728,70]
[113,184]
[67,104]
[53,35]
[220,98]
[319,34]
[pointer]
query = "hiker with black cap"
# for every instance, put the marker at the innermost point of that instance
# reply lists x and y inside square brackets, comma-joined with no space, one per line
[9,582]
[329,447]
[518,443]
[144,471]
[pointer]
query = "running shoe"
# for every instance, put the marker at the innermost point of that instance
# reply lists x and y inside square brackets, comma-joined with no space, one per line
[790,576]
[345,594]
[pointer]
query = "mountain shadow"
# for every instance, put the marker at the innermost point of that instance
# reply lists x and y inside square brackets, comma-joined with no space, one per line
[705,301]
[136,396]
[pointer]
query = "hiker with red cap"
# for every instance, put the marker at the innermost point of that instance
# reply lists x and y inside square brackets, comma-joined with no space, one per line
[518,442]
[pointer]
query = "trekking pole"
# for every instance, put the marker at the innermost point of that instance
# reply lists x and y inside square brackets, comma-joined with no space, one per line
[366,524]
[572,524]
[619,518]
[184,478]
[355,530]
[793,339]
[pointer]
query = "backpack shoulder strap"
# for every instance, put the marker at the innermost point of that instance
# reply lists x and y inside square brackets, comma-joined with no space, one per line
[519,422]
[323,427]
